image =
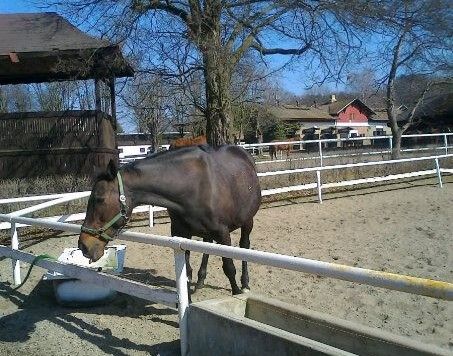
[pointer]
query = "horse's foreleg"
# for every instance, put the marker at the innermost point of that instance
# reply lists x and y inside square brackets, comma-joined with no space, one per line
[244,242]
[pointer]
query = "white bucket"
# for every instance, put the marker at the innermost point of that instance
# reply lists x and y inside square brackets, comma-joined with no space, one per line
[73,292]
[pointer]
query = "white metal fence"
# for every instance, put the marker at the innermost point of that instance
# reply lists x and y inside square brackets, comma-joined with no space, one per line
[420,286]
[324,151]
[322,145]
[55,199]
[381,279]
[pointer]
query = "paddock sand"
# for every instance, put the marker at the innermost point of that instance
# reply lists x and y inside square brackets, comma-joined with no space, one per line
[403,228]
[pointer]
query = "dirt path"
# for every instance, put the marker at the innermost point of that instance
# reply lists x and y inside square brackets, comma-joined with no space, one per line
[403,228]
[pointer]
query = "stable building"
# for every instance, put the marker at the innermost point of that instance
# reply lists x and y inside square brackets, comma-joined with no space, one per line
[45,47]
[331,117]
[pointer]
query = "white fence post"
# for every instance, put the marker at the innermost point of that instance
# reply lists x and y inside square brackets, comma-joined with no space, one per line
[151,216]
[320,152]
[15,246]
[439,175]
[446,144]
[390,144]
[183,298]
[318,184]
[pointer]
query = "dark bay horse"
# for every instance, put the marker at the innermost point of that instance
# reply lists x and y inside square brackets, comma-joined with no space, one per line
[188,141]
[208,193]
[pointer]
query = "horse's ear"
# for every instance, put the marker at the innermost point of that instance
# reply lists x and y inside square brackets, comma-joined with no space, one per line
[112,169]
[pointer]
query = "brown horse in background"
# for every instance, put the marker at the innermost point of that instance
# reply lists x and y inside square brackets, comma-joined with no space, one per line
[282,148]
[188,141]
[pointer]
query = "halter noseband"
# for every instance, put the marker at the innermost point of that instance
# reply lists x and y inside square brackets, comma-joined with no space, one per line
[101,232]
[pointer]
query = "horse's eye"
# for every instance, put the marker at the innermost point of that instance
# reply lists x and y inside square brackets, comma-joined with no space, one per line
[99,200]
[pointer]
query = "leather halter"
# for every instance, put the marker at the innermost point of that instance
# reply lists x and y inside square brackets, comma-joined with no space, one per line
[101,232]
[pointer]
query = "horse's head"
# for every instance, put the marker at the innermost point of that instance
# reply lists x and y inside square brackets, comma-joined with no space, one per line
[106,213]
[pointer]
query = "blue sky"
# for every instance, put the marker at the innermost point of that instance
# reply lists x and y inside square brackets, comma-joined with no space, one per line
[291,81]
[19,6]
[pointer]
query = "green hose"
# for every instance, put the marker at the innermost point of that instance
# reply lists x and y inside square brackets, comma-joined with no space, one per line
[32,264]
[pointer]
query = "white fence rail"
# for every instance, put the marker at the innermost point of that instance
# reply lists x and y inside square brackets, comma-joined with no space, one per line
[408,284]
[420,286]
[60,198]
[320,143]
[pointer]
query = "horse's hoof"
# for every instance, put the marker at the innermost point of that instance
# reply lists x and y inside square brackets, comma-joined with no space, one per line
[199,286]
[245,290]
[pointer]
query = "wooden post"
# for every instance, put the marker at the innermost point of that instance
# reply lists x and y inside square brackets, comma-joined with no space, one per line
[113,101]
[97,95]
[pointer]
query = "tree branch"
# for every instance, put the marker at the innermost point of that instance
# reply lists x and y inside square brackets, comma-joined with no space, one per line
[270,51]
[166,6]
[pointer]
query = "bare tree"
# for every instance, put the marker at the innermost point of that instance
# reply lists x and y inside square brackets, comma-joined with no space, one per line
[149,101]
[184,37]
[415,37]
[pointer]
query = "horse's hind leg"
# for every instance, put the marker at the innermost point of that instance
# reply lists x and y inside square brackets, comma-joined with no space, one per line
[203,268]
[244,242]
[202,272]
[228,265]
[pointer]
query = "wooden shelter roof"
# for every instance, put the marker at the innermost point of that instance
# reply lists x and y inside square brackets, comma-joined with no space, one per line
[43,47]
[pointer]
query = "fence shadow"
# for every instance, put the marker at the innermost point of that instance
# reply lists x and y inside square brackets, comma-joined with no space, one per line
[40,305]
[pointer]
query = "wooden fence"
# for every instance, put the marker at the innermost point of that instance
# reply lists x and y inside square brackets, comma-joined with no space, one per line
[49,143]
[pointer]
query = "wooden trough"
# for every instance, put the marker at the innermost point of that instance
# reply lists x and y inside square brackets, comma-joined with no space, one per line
[254,325]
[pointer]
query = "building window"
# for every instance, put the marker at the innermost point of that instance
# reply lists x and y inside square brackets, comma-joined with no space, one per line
[142,149]
[351,117]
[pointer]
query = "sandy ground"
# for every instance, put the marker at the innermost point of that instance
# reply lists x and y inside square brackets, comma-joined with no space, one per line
[403,228]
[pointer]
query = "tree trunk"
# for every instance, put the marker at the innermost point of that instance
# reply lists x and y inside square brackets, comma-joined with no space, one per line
[396,143]
[217,75]
[153,130]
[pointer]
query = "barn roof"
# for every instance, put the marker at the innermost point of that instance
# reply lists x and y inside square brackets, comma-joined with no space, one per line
[296,113]
[41,47]
[338,106]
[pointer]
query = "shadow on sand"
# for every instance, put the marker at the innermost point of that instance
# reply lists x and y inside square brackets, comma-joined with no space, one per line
[41,305]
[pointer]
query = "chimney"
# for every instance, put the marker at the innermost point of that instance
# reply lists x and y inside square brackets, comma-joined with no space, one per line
[333,98]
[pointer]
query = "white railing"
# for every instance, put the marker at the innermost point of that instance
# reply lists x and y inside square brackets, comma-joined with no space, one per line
[319,186]
[55,199]
[59,198]
[320,143]
[413,285]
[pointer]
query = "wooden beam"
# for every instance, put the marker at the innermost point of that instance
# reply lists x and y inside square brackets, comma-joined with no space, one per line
[113,101]
[97,95]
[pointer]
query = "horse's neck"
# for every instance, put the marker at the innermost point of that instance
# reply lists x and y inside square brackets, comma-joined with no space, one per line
[152,186]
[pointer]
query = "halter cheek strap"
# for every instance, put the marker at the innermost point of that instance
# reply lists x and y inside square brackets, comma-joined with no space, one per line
[101,232]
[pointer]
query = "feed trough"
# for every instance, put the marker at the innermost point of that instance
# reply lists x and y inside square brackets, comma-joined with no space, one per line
[73,292]
[257,326]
